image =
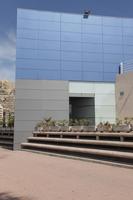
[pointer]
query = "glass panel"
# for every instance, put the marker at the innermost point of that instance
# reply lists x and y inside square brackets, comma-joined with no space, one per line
[38,64]
[92,47]
[26,43]
[109,77]
[50,16]
[127,23]
[70,46]
[92,57]
[28,14]
[110,30]
[29,24]
[52,45]
[112,21]
[50,26]
[109,48]
[92,76]
[109,39]
[113,58]
[128,57]
[91,29]
[66,36]
[92,20]
[71,75]
[90,66]
[71,18]
[23,33]
[51,55]
[128,31]
[49,35]
[27,74]
[26,53]
[128,40]
[128,49]
[72,56]
[91,38]
[71,27]
[49,75]
[111,67]
[69,65]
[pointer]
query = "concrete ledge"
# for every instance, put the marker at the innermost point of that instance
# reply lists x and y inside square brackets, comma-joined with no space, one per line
[107,153]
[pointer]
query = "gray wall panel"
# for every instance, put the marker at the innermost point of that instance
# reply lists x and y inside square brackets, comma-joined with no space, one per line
[36,100]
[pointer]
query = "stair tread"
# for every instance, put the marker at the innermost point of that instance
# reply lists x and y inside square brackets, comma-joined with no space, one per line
[82,150]
[81,141]
[86,133]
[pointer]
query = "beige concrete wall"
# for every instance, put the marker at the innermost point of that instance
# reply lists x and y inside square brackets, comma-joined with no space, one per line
[124,102]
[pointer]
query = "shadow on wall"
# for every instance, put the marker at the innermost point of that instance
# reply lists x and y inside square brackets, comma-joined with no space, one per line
[9,196]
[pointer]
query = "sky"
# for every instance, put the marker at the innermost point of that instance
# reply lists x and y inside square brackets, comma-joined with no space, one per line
[8,12]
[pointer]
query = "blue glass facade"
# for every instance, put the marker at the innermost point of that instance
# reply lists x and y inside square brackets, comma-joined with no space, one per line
[59,46]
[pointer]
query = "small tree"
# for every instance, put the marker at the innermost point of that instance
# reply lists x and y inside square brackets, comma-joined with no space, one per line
[10,121]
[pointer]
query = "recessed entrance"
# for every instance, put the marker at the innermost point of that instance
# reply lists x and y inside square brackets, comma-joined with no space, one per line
[82,108]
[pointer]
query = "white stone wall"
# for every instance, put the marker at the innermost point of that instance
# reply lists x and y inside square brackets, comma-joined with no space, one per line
[104,94]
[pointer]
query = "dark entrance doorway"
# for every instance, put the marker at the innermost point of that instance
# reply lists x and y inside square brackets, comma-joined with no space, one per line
[82,108]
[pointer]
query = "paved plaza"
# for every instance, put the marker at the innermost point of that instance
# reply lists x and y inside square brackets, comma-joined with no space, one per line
[31,176]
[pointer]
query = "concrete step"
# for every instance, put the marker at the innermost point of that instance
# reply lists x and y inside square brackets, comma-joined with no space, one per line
[83,152]
[6,137]
[81,143]
[89,135]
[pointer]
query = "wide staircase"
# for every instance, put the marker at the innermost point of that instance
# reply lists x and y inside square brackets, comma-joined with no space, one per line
[107,147]
[6,138]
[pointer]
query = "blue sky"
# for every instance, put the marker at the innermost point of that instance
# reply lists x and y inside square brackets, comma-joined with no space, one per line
[8,10]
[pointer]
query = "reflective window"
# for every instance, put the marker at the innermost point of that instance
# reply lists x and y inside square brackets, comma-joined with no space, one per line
[70,27]
[70,46]
[70,65]
[128,49]
[71,18]
[112,21]
[49,35]
[110,30]
[92,38]
[71,75]
[24,33]
[49,75]
[109,77]
[111,67]
[50,26]
[46,45]
[91,76]
[91,29]
[26,43]
[28,14]
[86,47]
[128,31]
[66,36]
[127,23]
[53,55]
[72,56]
[113,58]
[92,20]
[92,66]
[28,24]
[128,40]
[109,39]
[38,64]
[92,57]
[109,48]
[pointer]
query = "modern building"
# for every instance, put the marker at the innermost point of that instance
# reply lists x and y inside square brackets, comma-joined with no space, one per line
[66,67]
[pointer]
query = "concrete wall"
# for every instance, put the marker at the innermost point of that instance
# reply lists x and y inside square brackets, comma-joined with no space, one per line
[124,95]
[104,98]
[36,99]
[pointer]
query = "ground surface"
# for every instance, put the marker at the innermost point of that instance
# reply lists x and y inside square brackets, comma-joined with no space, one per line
[30,176]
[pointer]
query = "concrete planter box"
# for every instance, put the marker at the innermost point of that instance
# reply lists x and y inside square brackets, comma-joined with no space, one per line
[104,129]
[54,128]
[64,128]
[122,128]
[75,128]
[88,128]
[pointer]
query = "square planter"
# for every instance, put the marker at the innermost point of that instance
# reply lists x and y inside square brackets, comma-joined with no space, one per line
[122,128]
